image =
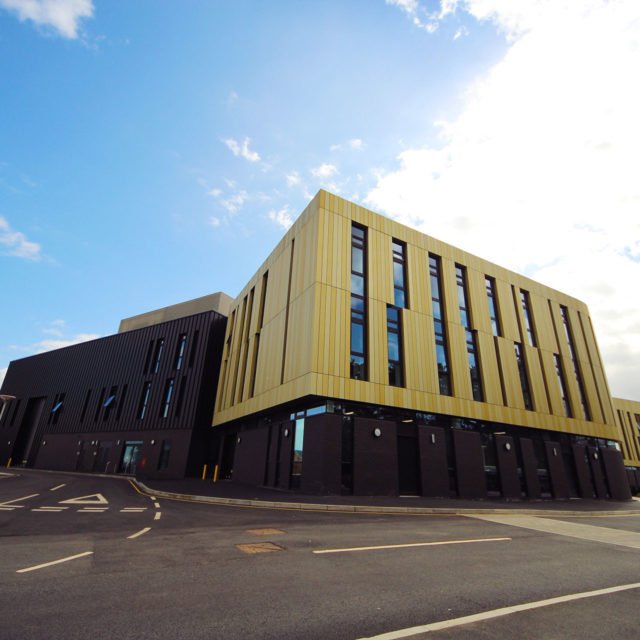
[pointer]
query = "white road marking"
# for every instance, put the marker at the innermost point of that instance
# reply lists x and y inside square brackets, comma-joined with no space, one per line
[156,505]
[157,516]
[50,509]
[133,509]
[17,506]
[58,487]
[497,613]
[412,544]
[152,497]
[93,498]
[135,535]
[92,510]
[49,564]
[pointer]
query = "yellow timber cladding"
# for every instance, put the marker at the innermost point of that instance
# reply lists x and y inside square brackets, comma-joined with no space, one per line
[288,334]
[628,420]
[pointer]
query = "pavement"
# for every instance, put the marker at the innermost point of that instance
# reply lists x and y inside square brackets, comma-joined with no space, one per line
[230,493]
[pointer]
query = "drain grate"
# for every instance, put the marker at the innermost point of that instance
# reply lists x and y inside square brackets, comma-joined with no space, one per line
[259,547]
[265,532]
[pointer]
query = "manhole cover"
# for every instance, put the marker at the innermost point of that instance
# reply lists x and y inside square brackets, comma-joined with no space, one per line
[259,547]
[265,532]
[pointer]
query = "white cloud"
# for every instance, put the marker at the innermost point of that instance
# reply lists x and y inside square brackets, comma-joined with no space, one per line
[3,373]
[15,243]
[335,147]
[234,203]
[216,193]
[283,217]
[63,16]
[214,222]
[413,9]
[357,144]
[293,179]
[242,149]
[55,328]
[539,172]
[324,171]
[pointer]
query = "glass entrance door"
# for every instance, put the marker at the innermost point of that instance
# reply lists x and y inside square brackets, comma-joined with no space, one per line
[131,456]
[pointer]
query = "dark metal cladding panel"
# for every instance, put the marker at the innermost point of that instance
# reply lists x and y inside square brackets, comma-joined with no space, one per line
[557,472]
[596,472]
[585,486]
[286,453]
[616,476]
[433,461]
[469,464]
[248,467]
[530,468]
[375,459]
[507,467]
[273,454]
[321,465]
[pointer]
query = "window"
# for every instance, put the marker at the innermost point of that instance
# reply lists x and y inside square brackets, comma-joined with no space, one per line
[563,386]
[524,378]
[194,348]
[177,360]
[465,320]
[442,355]
[637,419]
[298,447]
[165,451]
[147,360]
[110,402]
[144,400]
[493,305]
[183,384]
[400,298]
[158,355]
[99,405]
[85,405]
[358,358]
[574,361]
[168,392]
[56,410]
[394,347]
[123,395]
[528,319]
[256,343]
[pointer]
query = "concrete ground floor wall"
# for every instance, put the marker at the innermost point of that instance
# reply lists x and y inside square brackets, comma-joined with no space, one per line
[437,456]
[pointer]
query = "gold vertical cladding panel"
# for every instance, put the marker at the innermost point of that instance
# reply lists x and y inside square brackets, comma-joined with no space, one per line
[477,292]
[536,380]
[542,323]
[380,274]
[299,336]
[459,361]
[378,358]
[417,278]
[510,373]
[489,368]
[278,285]
[549,367]
[507,311]
[304,259]
[449,291]
[412,350]
[561,345]
[269,368]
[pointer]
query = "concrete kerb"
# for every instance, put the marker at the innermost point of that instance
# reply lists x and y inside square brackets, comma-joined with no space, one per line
[310,506]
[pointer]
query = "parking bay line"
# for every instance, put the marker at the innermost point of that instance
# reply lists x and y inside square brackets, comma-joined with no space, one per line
[49,564]
[58,487]
[17,506]
[497,613]
[139,533]
[411,544]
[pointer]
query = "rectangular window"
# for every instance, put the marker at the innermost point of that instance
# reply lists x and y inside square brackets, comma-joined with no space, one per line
[85,405]
[635,415]
[157,356]
[574,361]
[394,346]
[400,298]
[465,320]
[358,357]
[493,305]
[144,400]
[442,354]
[183,384]
[563,386]
[524,378]
[256,342]
[163,462]
[123,395]
[147,360]
[528,318]
[58,407]
[177,360]
[168,392]
[194,348]
[99,405]
[110,403]
[298,447]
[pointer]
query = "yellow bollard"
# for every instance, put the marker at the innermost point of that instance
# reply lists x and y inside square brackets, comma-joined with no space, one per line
[9,463]
[215,474]
[204,471]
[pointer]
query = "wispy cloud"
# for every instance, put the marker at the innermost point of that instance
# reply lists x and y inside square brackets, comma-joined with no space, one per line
[293,179]
[3,373]
[63,17]
[15,243]
[55,328]
[283,217]
[355,143]
[242,149]
[324,171]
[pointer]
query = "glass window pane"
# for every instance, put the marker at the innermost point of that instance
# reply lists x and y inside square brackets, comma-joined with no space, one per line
[392,314]
[357,260]
[357,338]
[357,304]
[398,274]
[394,346]
[435,287]
[357,284]
[398,297]
[441,357]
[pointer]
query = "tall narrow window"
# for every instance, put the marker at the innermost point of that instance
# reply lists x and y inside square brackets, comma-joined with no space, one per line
[442,355]
[194,348]
[524,378]
[168,392]
[256,342]
[144,400]
[109,403]
[400,298]
[358,358]
[394,347]
[493,305]
[563,386]
[528,319]
[574,361]
[58,406]
[165,451]
[123,395]
[465,320]
[158,355]
[99,406]
[177,360]
[85,405]
[147,360]
[183,385]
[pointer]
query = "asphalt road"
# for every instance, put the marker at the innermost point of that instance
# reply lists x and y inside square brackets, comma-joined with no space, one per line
[137,567]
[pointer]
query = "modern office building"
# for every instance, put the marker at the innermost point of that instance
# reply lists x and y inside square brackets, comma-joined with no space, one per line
[365,357]
[628,420]
[139,401]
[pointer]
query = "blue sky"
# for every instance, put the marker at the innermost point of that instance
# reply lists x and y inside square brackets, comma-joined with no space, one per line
[152,152]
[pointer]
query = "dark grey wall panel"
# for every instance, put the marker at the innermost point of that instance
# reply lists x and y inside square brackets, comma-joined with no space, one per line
[585,486]
[321,466]
[433,461]
[530,468]
[375,459]
[469,464]
[596,472]
[616,476]
[250,456]
[508,467]
[557,472]
[286,454]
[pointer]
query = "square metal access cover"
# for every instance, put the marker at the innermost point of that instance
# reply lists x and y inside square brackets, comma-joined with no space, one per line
[259,547]
[265,532]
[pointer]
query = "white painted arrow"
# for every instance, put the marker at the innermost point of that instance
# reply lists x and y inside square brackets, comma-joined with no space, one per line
[94,498]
